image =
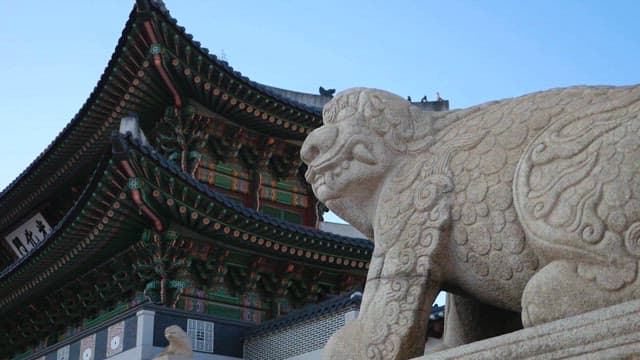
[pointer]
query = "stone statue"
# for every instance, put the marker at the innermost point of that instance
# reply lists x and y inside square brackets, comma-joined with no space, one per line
[522,208]
[179,344]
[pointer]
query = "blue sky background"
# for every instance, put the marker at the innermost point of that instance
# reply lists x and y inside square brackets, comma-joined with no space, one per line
[52,53]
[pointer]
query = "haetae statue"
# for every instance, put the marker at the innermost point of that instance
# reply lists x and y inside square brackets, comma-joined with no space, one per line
[179,344]
[526,208]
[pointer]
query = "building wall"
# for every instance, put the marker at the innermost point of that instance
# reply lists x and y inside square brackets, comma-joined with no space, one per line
[301,341]
[140,336]
[313,355]
[95,345]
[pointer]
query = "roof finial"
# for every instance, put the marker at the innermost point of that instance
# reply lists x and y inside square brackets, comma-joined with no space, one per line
[326,92]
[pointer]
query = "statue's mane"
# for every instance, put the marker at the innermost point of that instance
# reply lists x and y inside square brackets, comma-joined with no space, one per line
[404,127]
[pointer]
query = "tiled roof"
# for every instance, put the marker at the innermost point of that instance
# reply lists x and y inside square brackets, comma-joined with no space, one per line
[14,275]
[85,236]
[313,311]
[308,312]
[57,229]
[126,141]
[126,77]
[160,6]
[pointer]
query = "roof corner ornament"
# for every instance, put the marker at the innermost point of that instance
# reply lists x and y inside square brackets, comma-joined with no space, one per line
[326,92]
[131,125]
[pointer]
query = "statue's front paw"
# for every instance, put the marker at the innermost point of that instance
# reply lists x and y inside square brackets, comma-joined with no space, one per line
[345,344]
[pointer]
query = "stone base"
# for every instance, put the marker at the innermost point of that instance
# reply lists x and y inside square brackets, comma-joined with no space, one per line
[609,333]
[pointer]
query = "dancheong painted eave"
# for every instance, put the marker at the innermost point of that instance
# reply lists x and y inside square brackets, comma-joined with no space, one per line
[133,82]
[106,214]
[90,252]
[209,211]
[101,216]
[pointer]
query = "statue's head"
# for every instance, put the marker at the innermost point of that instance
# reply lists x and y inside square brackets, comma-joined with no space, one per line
[178,338]
[365,133]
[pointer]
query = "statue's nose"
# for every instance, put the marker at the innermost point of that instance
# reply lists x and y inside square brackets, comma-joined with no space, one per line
[318,142]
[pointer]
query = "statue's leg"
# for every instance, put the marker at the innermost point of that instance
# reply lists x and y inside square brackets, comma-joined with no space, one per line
[392,322]
[467,320]
[564,288]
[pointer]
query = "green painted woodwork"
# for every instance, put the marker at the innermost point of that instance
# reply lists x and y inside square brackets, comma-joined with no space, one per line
[231,171]
[105,316]
[155,49]
[134,184]
[291,185]
[165,265]
[281,214]
[182,137]
[224,182]
[220,221]
[224,311]
[290,192]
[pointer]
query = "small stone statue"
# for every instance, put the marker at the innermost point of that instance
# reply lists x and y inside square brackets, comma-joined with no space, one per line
[525,210]
[179,344]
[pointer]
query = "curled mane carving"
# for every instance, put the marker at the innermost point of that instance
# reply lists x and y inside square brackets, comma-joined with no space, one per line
[404,127]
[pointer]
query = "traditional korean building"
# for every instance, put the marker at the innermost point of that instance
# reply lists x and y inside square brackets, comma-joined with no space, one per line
[174,196]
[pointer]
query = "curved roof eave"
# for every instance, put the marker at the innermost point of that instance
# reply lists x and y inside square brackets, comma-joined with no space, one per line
[22,186]
[162,9]
[79,236]
[126,141]
[75,122]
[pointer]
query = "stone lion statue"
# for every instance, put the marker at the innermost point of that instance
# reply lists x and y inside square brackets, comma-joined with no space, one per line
[179,343]
[525,210]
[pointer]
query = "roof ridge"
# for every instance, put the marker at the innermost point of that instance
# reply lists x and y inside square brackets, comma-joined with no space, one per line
[161,7]
[308,312]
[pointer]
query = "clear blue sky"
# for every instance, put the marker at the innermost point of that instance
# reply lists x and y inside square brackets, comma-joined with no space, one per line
[52,53]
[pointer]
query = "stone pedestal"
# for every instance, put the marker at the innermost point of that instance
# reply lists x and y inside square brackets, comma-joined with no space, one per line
[609,333]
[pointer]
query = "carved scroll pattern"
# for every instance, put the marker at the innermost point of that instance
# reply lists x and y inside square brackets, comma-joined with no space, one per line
[577,189]
[397,302]
[409,235]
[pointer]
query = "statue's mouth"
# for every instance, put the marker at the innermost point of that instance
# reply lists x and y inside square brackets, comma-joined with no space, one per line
[355,148]
[321,182]
[325,172]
